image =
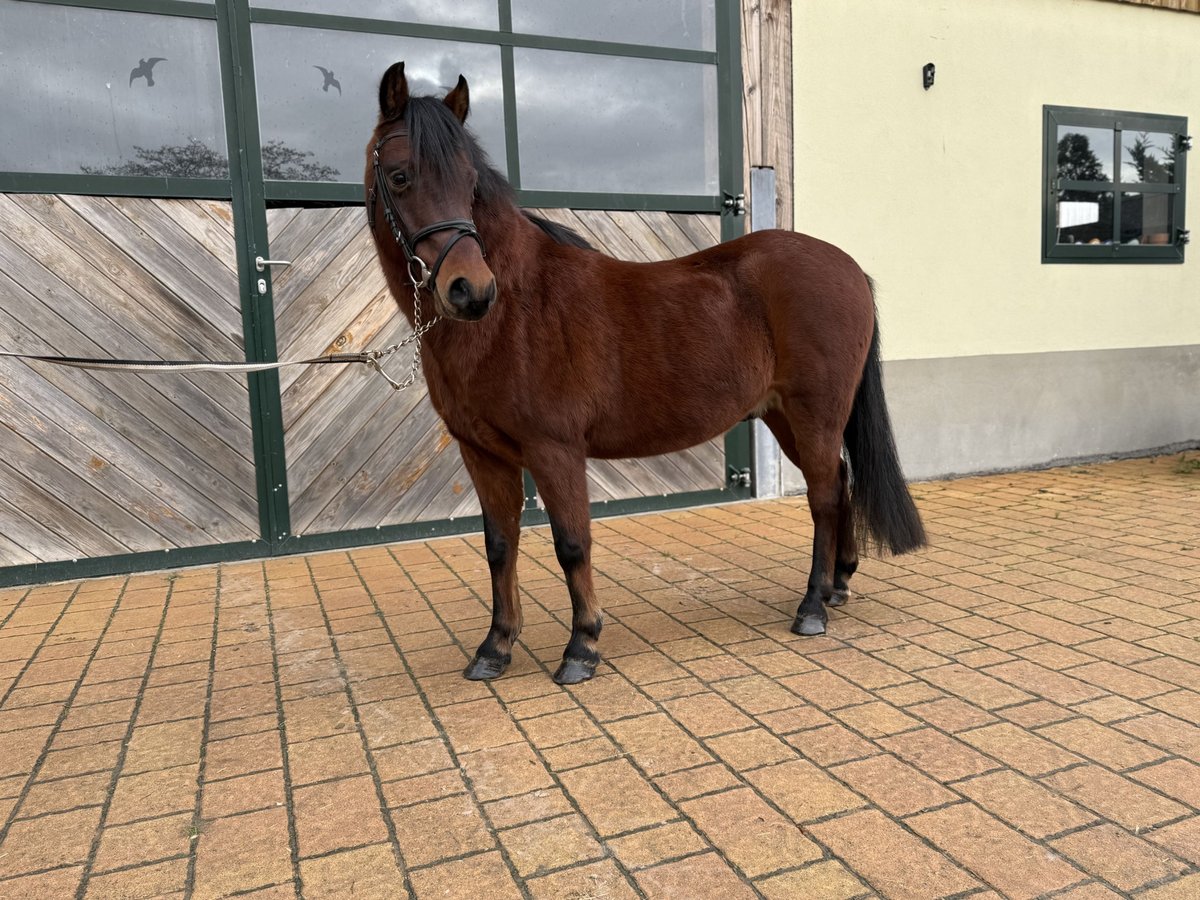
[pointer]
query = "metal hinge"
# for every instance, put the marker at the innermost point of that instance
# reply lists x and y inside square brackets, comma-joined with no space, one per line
[735,204]
[1185,142]
[739,477]
[1185,236]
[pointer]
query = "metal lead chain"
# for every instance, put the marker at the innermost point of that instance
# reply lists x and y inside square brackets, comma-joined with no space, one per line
[414,338]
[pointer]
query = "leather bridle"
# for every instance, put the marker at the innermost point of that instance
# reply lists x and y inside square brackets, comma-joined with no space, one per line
[424,276]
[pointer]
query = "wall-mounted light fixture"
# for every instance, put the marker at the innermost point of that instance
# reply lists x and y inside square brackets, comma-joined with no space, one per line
[927,73]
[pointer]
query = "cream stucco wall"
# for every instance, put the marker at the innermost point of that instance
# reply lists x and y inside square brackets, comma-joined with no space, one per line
[938,193]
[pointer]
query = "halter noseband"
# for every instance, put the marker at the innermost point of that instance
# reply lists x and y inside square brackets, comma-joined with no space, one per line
[462,227]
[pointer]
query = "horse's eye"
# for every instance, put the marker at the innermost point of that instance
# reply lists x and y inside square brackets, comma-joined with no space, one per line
[400,179]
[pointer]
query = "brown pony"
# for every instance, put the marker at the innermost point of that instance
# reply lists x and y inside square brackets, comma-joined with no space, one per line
[548,352]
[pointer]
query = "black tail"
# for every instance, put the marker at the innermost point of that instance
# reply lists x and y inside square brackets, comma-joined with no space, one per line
[883,509]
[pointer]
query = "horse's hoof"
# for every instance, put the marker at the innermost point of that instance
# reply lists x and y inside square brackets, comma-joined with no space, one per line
[838,598]
[485,668]
[573,671]
[809,625]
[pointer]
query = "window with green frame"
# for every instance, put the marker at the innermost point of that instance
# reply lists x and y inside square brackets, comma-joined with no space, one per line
[1114,186]
[611,105]
[96,99]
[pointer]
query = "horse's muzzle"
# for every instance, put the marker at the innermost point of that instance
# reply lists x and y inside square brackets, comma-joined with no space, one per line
[467,301]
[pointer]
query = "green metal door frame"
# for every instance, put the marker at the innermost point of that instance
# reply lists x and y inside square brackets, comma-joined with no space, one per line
[739,457]
[249,194]
[250,230]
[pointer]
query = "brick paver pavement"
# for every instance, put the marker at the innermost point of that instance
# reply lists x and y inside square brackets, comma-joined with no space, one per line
[1014,710]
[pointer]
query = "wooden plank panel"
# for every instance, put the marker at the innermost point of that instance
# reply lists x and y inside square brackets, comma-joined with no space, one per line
[752,85]
[351,441]
[307,242]
[212,234]
[676,242]
[279,217]
[349,399]
[124,402]
[711,456]
[427,461]
[335,470]
[185,266]
[384,478]
[570,219]
[34,542]
[134,316]
[606,481]
[468,505]
[643,233]
[11,553]
[373,327]
[456,499]
[102,463]
[776,101]
[88,331]
[220,211]
[205,304]
[350,270]
[693,470]
[95,513]
[697,229]
[112,464]
[609,237]
[71,246]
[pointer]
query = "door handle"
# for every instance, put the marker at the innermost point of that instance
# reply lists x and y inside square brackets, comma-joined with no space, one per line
[261,264]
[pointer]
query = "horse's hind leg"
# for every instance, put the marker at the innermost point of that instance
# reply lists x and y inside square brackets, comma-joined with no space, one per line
[846,563]
[561,476]
[817,453]
[501,495]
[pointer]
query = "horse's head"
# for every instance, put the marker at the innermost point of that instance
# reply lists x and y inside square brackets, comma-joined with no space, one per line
[420,182]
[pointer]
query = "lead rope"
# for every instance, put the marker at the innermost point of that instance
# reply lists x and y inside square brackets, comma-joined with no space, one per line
[370,357]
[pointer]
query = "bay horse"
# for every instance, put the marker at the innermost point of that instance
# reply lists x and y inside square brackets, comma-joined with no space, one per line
[548,352]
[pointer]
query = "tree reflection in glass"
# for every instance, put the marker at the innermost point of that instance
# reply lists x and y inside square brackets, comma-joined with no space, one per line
[1151,157]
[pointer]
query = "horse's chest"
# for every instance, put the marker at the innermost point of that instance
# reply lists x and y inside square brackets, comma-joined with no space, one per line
[471,421]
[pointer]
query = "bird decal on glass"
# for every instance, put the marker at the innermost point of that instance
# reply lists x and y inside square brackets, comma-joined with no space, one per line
[330,81]
[145,69]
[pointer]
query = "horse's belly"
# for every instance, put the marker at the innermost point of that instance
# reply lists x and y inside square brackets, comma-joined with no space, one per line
[639,445]
[668,426]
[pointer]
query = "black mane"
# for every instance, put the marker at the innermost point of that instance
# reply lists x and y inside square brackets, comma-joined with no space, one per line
[437,137]
[561,234]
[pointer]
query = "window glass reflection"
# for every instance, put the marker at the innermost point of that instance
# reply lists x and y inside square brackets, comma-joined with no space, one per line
[1146,218]
[1085,217]
[1148,157]
[687,24]
[318,95]
[1085,154]
[597,123]
[111,93]
[460,13]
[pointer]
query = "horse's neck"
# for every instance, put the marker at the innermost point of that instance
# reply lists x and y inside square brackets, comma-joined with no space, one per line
[461,350]
[512,245]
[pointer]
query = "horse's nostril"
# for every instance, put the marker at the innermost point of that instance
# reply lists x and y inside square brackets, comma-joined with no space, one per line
[460,292]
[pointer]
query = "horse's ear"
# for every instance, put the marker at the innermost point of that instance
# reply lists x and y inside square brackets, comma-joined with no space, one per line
[393,92]
[459,100]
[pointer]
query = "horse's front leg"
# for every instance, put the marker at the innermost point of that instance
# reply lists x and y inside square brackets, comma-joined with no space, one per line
[501,494]
[561,476]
